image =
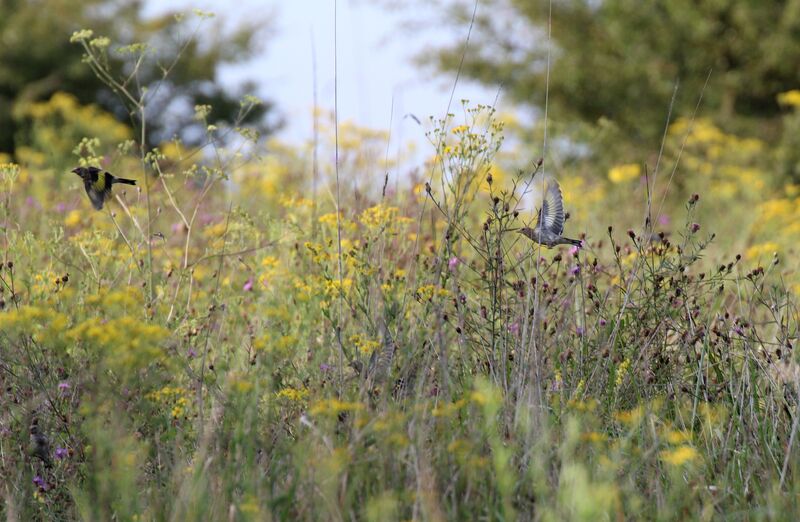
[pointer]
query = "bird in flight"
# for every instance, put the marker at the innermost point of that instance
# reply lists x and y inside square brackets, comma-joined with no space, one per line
[98,184]
[550,223]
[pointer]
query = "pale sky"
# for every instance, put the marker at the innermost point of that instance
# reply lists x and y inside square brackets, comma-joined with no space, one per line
[375,64]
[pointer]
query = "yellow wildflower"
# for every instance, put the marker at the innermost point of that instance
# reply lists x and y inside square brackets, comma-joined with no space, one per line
[378,216]
[427,292]
[790,98]
[292,394]
[621,371]
[171,396]
[333,407]
[333,287]
[678,436]
[630,417]
[270,262]
[679,456]
[73,218]
[328,219]
[762,249]
[478,397]
[624,173]
[364,345]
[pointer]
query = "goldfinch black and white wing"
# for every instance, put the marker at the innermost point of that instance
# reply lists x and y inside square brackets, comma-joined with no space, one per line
[97,187]
[98,182]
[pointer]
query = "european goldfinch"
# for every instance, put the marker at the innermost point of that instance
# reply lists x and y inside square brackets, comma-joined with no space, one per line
[98,184]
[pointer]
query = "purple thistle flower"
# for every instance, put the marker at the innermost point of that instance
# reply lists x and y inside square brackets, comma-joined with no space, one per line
[191,353]
[453,263]
[248,285]
[603,322]
[64,387]
[575,270]
[579,331]
[663,220]
[324,367]
[514,328]
[695,227]
[40,482]
[573,250]
[62,453]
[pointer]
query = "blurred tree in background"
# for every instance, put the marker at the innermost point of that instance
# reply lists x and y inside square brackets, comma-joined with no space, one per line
[37,61]
[618,61]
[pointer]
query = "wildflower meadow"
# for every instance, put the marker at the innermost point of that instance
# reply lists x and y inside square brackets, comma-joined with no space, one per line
[261,330]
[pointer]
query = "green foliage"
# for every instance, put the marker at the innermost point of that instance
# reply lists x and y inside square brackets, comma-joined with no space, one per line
[621,60]
[35,63]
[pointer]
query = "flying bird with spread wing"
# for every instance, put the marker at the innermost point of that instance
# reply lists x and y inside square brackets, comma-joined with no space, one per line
[550,223]
[97,183]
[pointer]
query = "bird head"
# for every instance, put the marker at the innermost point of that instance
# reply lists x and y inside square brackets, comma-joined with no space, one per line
[526,231]
[78,170]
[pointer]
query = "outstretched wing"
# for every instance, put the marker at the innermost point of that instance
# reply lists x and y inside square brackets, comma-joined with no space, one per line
[98,186]
[97,197]
[551,215]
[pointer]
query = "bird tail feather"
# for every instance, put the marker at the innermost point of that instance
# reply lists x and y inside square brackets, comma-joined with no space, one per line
[125,181]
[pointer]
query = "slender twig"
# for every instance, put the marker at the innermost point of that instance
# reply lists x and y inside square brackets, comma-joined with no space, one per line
[338,197]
